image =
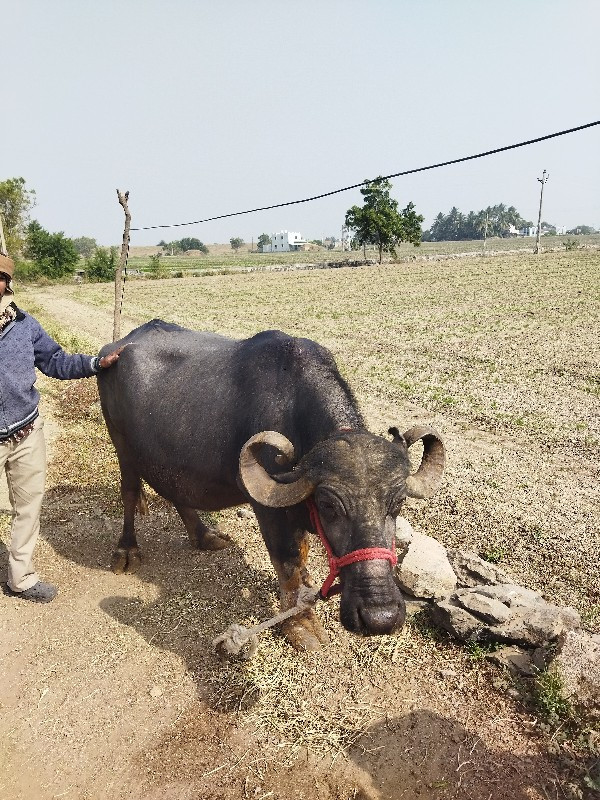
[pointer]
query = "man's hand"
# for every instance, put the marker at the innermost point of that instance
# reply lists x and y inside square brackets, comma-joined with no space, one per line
[107,361]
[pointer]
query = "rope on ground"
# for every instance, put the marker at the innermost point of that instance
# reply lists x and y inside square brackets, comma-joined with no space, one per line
[234,639]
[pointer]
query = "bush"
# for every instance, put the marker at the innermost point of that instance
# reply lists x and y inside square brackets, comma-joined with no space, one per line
[26,271]
[102,264]
[53,253]
[156,268]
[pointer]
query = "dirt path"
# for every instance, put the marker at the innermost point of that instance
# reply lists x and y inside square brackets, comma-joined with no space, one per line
[113,690]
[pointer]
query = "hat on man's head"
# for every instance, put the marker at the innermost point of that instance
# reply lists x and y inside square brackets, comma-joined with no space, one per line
[7,266]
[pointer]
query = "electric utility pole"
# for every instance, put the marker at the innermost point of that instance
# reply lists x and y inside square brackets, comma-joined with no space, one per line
[487,219]
[543,180]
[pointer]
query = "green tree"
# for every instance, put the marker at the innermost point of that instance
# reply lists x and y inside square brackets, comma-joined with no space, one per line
[264,240]
[156,268]
[15,204]
[548,229]
[236,243]
[583,230]
[102,264]
[455,226]
[379,222]
[170,248]
[53,254]
[85,246]
[192,244]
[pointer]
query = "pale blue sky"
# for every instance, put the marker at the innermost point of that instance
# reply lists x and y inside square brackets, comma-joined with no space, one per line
[202,108]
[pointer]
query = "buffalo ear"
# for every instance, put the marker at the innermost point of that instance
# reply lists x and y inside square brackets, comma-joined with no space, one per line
[397,437]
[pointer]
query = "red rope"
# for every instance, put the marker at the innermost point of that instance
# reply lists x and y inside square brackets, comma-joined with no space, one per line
[335,564]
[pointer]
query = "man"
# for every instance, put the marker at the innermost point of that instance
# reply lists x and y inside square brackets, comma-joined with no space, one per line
[25,345]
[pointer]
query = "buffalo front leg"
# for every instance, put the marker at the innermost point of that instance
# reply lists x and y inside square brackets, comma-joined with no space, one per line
[287,543]
[201,536]
[127,556]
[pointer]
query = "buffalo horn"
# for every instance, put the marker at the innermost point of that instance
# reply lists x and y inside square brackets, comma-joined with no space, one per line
[427,479]
[261,486]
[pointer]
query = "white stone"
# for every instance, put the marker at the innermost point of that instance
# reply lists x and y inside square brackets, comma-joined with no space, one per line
[578,664]
[425,570]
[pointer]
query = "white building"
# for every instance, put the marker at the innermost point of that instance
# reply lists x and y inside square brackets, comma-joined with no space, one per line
[284,241]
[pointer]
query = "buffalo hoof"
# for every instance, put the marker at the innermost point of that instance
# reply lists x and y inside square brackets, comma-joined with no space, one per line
[212,539]
[126,560]
[304,631]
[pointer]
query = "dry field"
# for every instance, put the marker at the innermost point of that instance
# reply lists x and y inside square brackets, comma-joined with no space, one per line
[222,258]
[113,691]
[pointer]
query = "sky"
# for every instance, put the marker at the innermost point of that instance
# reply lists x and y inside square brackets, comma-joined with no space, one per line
[203,108]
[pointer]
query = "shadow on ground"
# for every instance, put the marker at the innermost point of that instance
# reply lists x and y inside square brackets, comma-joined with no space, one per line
[423,754]
[418,755]
[200,593]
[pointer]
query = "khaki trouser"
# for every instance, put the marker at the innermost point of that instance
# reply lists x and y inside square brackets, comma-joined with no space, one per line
[25,466]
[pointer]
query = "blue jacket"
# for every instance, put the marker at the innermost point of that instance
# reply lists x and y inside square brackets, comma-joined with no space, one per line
[24,345]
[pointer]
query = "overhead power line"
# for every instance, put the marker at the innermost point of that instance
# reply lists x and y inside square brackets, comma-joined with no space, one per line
[385,177]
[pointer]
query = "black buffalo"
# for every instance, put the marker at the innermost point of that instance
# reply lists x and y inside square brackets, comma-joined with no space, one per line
[211,422]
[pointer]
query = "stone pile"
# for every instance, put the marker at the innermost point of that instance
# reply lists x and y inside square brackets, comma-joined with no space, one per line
[475,600]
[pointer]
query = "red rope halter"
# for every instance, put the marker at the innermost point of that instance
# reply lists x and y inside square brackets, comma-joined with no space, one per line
[335,564]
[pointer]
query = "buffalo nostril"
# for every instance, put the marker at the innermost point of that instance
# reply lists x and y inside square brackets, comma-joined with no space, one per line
[381,619]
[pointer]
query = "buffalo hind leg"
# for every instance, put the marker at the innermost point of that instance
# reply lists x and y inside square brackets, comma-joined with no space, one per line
[201,536]
[287,543]
[127,556]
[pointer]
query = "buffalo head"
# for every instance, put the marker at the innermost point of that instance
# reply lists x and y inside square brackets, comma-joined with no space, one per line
[359,482]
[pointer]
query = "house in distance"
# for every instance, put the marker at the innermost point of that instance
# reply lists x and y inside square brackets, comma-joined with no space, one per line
[284,242]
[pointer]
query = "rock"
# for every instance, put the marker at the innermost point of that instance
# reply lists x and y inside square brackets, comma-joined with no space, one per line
[486,608]
[414,605]
[457,621]
[540,658]
[525,618]
[404,531]
[424,570]
[577,663]
[244,513]
[515,659]
[511,594]
[471,570]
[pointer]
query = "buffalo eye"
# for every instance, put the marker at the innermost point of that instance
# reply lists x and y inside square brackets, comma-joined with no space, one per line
[395,504]
[330,506]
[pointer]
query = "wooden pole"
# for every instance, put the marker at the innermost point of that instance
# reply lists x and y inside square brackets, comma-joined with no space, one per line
[122,263]
[3,249]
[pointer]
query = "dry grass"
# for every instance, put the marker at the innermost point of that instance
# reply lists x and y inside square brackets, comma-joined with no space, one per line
[502,356]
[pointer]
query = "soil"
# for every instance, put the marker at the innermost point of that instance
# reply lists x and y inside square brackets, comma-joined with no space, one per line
[114,691]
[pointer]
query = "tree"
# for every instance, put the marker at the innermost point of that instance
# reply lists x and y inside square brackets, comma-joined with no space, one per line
[491,221]
[379,222]
[15,204]
[52,253]
[85,246]
[236,243]
[102,264]
[582,230]
[264,240]
[156,267]
[192,244]
[171,247]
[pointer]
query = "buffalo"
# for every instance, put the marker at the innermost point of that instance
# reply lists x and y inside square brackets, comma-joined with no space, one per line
[211,422]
